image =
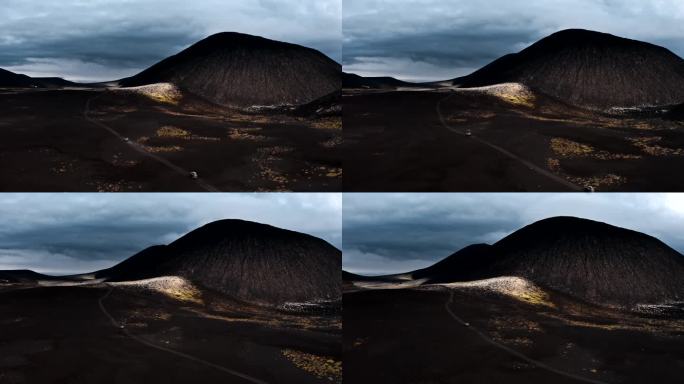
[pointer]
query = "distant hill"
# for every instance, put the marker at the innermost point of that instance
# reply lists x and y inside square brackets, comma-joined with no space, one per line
[591,69]
[242,70]
[22,276]
[14,80]
[55,82]
[676,113]
[11,79]
[351,80]
[248,261]
[593,261]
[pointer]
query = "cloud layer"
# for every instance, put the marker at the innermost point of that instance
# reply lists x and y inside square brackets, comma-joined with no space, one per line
[389,233]
[437,39]
[109,39]
[69,233]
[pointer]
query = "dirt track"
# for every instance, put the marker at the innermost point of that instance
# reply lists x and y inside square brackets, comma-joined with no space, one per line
[407,336]
[397,141]
[60,334]
[54,146]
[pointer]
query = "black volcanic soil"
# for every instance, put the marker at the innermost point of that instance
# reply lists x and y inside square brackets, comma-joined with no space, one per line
[52,147]
[395,141]
[242,70]
[60,335]
[588,260]
[248,261]
[591,69]
[407,336]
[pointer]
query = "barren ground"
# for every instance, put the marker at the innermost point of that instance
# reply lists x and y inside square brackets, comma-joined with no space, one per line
[62,335]
[95,140]
[408,336]
[415,141]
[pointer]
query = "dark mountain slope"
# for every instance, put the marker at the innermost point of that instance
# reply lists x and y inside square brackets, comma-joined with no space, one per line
[144,264]
[14,80]
[55,82]
[243,70]
[593,261]
[469,263]
[11,79]
[351,80]
[591,69]
[22,276]
[676,113]
[249,261]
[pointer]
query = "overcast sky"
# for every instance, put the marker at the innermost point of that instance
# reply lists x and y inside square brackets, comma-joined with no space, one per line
[390,233]
[71,233]
[441,39]
[100,40]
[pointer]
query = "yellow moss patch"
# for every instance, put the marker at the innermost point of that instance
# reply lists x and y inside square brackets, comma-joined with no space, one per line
[163,149]
[512,93]
[169,131]
[568,148]
[553,164]
[320,366]
[173,287]
[246,134]
[599,181]
[165,93]
[534,297]
[328,123]
[648,146]
[604,155]
[515,287]
[523,100]
[334,172]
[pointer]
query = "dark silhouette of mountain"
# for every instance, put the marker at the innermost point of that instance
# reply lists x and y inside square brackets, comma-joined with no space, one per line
[14,80]
[676,113]
[465,264]
[593,261]
[248,261]
[351,80]
[591,69]
[243,70]
[22,276]
[144,264]
[11,79]
[55,82]
[348,276]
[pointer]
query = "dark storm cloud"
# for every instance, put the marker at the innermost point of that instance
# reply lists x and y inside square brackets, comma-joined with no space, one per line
[68,233]
[387,233]
[110,39]
[439,39]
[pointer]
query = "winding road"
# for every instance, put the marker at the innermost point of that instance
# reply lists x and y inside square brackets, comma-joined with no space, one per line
[511,351]
[142,341]
[136,147]
[539,170]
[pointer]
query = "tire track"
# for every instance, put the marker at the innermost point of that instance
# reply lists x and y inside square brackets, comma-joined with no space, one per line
[513,352]
[142,341]
[539,170]
[86,110]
